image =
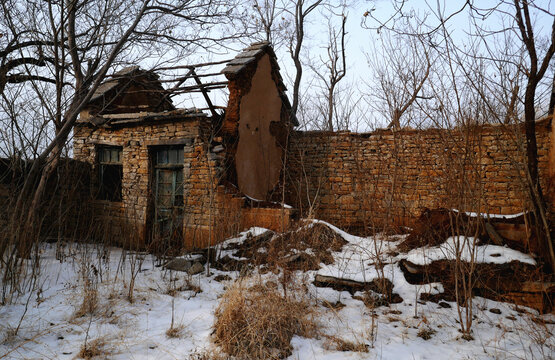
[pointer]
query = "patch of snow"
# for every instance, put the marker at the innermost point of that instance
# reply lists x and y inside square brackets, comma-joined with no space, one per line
[253,231]
[49,328]
[467,249]
[492,216]
[283,205]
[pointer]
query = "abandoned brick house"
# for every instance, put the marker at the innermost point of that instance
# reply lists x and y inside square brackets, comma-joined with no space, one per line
[179,173]
[197,177]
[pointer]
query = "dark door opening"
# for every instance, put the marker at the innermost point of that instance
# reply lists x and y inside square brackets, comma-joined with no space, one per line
[168,197]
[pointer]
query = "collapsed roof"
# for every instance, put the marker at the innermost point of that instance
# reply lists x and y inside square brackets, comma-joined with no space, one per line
[133,95]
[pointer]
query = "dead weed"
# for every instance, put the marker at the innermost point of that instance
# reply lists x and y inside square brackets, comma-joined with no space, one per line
[92,349]
[175,332]
[90,301]
[338,344]
[258,322]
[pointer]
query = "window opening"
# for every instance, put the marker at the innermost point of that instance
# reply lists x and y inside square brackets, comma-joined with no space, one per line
[110,172]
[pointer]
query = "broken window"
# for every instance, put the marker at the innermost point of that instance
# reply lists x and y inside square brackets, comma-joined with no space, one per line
[168,165]
[110,172]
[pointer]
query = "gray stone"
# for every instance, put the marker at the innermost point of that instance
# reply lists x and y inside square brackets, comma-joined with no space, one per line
[232,69]
[178,265]
[196,268]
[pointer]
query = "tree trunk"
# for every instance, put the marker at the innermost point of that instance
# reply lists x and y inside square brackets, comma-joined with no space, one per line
[534,186]
[552,100]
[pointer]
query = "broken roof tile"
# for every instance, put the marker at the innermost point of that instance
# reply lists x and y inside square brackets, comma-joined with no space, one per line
[109,85]
[126,71]
[258,45]
[249,53]
[241,61]
[232,69]
[103,89]
[244,58]
[133,118]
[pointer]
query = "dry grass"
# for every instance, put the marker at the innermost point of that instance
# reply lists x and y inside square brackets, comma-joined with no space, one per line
[333,306]
[207,355]
[426,333]
[258,322]
[187,285]
[92,349]
[90,301]
[10,334]
[335,343]
[175,332]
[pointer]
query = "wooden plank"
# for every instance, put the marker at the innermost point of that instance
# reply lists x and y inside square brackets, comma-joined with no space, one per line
[323,281]
[177,85]
[193,65]
[538,286]
[207,86]
[498,240]
[205,94]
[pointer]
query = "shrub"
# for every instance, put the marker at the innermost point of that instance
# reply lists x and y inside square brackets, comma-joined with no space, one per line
[258,322]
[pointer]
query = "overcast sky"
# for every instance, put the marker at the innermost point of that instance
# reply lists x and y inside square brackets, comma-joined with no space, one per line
[362,39]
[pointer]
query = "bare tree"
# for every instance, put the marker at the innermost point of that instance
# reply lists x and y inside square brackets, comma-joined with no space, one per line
[504,66]
[268,13]
[289,22]
[335,69]
[538,66]
[302,10]
[61,51]
[402,67]
[552,99]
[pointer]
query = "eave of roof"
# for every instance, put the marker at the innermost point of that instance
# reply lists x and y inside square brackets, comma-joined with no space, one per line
[109,120]
[111,84]
[245,57]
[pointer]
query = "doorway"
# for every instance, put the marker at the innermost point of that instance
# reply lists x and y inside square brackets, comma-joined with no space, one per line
[168,197]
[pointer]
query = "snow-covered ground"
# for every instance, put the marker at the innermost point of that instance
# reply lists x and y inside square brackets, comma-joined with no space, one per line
[50,325]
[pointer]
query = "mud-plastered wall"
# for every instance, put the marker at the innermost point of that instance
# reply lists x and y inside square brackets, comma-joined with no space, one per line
[258,157]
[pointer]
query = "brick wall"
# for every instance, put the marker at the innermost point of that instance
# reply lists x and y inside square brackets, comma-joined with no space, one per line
[212,211]
[386,178]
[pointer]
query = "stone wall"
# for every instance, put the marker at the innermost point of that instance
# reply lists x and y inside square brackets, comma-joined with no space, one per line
[386,178]
[212,210]
[374,180]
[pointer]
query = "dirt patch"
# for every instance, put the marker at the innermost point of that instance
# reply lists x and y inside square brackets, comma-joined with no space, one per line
[433,227]
[514,282]
[302,249]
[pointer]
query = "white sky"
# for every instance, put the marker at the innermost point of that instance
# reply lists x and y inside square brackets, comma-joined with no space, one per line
[360,41]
